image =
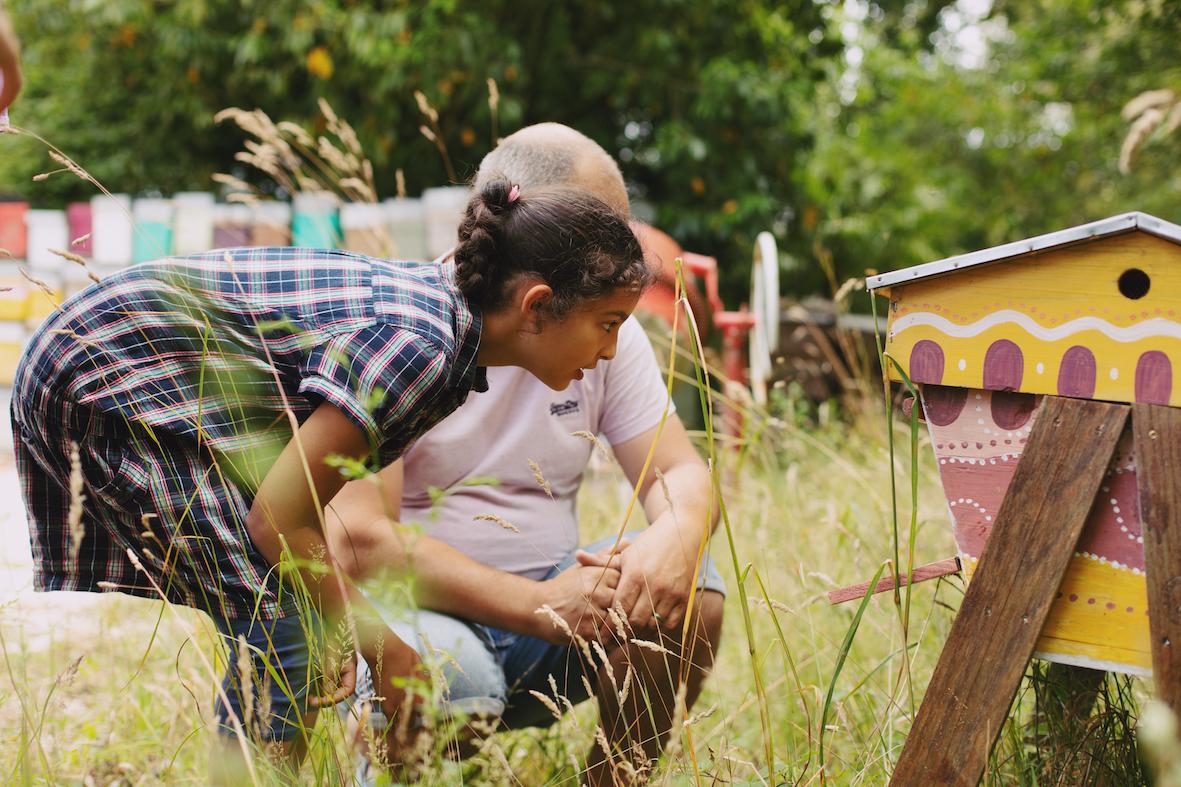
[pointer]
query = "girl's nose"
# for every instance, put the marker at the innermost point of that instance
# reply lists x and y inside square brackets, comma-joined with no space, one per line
[608,352]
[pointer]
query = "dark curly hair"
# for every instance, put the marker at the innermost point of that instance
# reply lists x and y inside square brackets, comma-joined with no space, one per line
[567,238]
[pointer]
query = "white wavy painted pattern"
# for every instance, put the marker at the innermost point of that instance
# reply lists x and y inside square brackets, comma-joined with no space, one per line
[1154,328]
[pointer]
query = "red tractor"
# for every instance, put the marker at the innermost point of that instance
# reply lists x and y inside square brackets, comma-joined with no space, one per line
[749,335]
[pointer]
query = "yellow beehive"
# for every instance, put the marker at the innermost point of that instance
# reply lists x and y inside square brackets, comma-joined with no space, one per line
[14,292]
[12,343]
[41,304]
[1092,312]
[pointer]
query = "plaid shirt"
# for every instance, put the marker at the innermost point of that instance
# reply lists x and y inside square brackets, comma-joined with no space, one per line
[175,379]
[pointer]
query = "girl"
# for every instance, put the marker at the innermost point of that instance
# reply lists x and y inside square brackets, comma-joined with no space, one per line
[200,407]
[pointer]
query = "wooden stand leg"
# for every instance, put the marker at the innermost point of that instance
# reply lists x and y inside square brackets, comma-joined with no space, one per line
[1157,434]
[992,639]
[1065,701]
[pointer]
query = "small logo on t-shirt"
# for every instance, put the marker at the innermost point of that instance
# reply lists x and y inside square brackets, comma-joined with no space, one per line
[568,407]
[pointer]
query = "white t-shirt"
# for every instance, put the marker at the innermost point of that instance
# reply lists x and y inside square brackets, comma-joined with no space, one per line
[496,434]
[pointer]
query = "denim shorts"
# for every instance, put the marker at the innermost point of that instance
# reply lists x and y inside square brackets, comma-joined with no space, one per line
[490,671]
[281,671]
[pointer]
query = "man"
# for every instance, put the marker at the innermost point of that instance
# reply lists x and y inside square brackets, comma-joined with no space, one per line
[492,556]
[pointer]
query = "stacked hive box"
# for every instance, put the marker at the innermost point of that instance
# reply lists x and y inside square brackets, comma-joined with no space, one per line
[112,231]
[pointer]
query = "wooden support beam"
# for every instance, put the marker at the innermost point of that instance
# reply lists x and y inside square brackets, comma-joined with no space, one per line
[1006,603]
[1157,435]
[940,568]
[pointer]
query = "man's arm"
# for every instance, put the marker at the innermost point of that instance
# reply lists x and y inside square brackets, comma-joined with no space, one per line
[367,539]
[659,569]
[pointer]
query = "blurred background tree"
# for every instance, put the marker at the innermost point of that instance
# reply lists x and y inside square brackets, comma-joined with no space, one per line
[1003,123]
[881,134]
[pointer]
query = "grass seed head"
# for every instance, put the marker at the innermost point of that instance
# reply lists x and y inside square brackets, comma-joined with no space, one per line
[593,440]
[1138,134]
[627,684]
[652,646]
[548,703]
[553,685]
[615,612]
[493,95]
[328,113]
[507,525]
[584,648]
[246,683]
[601,741]
[1149,99]
[586,684]
[555,618]
[540,479]
[425,107]
[69,164]
[77,259]
[607,664]
[74,526]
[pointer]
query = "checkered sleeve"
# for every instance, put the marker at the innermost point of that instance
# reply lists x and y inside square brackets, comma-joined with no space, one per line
[383,378]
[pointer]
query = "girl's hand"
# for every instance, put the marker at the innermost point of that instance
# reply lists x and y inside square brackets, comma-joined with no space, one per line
[344,681]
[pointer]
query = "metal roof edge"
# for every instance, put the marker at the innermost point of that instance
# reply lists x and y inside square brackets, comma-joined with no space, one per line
[1113,225]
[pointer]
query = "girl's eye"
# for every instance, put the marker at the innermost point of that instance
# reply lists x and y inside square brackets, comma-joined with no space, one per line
[610,326]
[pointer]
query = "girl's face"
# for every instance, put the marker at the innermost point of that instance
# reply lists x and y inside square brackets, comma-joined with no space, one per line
[561,350]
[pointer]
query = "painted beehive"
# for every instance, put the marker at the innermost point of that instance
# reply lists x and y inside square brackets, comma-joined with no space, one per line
[1093,312]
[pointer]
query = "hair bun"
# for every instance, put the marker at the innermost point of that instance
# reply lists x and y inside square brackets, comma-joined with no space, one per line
[497,195]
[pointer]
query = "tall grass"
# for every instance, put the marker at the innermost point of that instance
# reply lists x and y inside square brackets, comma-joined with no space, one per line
[793,522]
[797,520]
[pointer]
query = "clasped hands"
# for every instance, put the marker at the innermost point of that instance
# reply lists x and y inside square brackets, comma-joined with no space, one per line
[646,581]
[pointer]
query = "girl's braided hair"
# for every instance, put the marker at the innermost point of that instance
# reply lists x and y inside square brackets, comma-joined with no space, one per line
[567,238]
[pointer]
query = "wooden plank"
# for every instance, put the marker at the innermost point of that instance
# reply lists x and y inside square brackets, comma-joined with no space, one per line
[940,568]
[1035,534]
[1157,435]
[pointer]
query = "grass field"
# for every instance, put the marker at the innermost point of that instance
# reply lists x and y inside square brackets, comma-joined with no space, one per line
[102,690]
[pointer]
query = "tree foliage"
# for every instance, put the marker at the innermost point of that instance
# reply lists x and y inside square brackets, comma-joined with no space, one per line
[927,155]
[704,103]
[867,131]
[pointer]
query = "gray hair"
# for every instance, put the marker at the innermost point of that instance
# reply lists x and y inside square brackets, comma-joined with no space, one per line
[547,155]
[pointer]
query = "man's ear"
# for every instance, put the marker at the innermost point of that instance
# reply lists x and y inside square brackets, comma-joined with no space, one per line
[534,304]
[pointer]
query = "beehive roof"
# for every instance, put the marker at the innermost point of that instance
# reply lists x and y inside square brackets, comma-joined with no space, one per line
[1115,225]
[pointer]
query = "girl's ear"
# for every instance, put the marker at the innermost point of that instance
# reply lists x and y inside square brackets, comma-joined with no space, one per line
[534,304]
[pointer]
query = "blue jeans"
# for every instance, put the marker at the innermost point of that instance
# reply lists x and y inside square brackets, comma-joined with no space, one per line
[490,671]
[281,669]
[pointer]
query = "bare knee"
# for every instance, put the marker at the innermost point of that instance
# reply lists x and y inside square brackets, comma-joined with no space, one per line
[713,607]
[703,636]
[705,632]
